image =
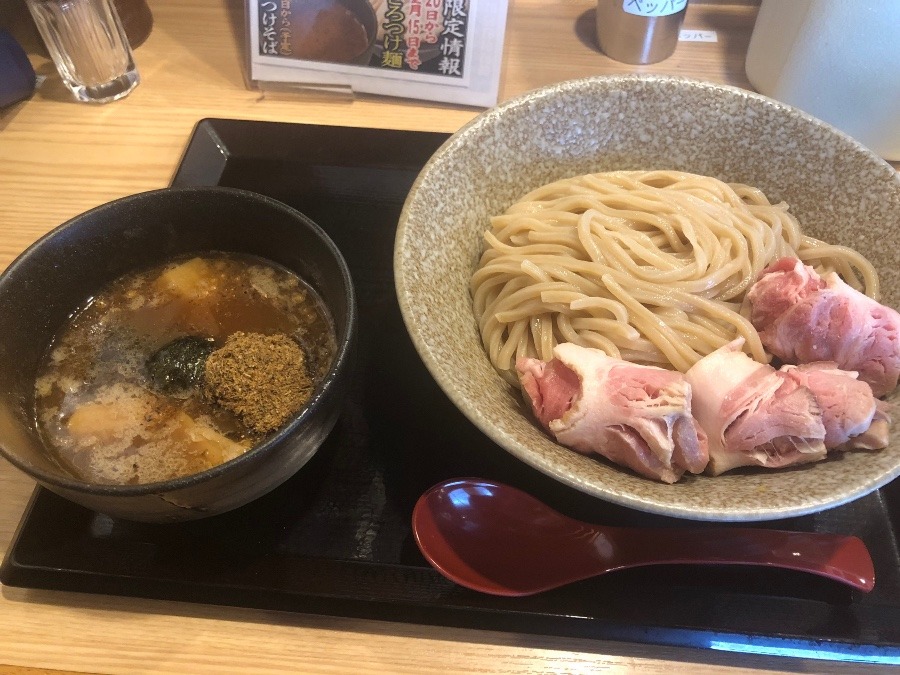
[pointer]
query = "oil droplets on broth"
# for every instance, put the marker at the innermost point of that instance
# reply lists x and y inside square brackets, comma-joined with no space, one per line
[108,421]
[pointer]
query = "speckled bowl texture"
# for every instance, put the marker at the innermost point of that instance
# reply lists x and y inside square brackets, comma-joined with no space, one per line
[840,191]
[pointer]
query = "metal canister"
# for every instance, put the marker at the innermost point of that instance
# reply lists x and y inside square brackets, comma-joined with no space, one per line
[639,31]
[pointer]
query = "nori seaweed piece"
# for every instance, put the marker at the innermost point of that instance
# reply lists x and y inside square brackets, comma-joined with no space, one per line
[179,365]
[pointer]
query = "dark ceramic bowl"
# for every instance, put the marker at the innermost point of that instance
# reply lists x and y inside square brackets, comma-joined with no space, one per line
[55,276]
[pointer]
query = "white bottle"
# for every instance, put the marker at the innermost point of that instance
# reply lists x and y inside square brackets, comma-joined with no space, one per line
[838,60]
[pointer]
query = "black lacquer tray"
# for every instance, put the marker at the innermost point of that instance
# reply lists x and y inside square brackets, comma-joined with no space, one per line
[336,539]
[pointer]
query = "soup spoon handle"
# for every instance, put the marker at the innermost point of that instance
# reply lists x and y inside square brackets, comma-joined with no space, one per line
[839,557]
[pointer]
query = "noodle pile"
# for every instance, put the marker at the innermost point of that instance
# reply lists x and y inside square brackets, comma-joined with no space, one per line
[648,266]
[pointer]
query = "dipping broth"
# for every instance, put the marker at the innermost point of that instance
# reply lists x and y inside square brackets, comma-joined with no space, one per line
[103,416]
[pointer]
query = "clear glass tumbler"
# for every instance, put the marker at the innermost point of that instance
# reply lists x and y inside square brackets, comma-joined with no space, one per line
[86,40]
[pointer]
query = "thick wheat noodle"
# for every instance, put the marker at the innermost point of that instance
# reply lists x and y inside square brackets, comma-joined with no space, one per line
[651,266]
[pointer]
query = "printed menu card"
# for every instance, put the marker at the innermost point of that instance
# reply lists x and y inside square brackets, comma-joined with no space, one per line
[436,50]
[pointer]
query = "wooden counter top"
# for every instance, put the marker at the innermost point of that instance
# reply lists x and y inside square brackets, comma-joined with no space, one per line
[59,158]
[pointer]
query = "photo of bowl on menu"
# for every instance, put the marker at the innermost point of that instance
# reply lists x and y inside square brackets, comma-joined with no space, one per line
[441,50]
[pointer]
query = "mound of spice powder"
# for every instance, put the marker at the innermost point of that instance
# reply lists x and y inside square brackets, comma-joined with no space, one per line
[262,379]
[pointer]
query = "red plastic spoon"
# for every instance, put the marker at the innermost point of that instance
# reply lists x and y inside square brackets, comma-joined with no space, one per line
[496,539]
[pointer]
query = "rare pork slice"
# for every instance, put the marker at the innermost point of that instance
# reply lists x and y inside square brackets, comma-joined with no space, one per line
[636,416]
[854,419]
[753,415]
[802,317]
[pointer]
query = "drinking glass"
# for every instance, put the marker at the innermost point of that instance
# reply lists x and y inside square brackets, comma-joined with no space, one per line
[87,43]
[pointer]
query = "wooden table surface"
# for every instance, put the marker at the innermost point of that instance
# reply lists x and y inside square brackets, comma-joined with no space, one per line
[59,158]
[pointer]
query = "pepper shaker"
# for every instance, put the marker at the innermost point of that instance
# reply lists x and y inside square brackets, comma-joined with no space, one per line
[89,47]
[639,31]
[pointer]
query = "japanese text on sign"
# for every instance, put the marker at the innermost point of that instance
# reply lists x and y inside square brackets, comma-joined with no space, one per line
[424,36]
[453,38]
[434,50]
[268,39]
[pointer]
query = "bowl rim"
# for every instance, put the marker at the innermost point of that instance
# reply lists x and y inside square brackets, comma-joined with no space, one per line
[342,354]
[444,380]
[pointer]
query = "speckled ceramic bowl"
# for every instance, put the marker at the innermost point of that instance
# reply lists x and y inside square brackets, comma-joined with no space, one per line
[840,191]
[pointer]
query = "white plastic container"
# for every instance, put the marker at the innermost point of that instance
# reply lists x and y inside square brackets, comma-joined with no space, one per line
[838,60]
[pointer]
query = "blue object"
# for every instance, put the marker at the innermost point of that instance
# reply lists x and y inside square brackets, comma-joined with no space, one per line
[17,78]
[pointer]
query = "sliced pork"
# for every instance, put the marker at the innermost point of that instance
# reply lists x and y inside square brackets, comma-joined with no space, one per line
[853,417]
[753,415]
[636,416]
[802,318]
